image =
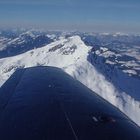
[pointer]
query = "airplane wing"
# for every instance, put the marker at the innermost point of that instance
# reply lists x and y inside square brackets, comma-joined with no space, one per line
[45,103]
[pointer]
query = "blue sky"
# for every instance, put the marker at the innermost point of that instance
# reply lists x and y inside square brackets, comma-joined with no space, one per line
[83,15]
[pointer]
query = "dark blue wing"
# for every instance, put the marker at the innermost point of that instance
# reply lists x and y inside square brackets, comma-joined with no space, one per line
[45,103]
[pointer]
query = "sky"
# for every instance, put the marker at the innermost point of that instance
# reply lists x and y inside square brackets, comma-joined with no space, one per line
[82,15]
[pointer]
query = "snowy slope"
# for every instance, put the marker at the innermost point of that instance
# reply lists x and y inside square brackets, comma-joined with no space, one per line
[61,53]
[74,57]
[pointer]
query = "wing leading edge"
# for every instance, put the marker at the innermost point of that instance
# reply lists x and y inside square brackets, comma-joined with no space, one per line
[45,103]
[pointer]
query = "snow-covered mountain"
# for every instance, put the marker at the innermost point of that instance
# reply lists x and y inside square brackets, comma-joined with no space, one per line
[103,62]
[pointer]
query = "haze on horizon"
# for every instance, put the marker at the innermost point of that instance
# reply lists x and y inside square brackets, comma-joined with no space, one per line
[82,15]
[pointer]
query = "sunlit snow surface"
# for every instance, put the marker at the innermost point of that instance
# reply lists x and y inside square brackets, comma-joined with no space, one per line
[110,68]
